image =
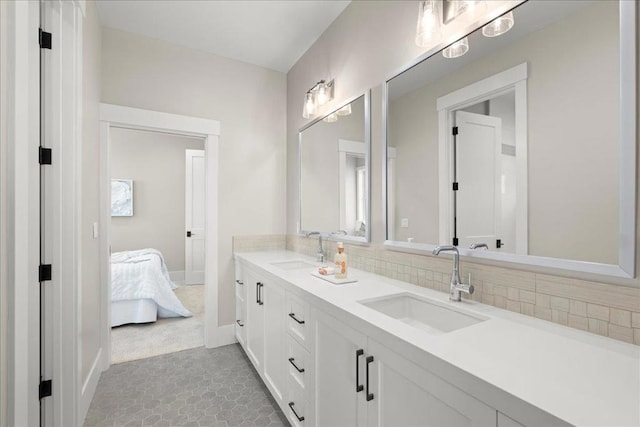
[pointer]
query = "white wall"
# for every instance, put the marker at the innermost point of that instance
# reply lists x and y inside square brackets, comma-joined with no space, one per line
[156,164]
[249,101]
[90,285]
[369,42]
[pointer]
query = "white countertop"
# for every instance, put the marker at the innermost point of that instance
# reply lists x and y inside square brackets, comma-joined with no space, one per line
[578,377]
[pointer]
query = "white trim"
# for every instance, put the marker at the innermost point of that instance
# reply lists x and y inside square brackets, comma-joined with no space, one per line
[513,79]
[21,241]
[177,277]
[134,118]
[118,115]
[226,335]
[88,389]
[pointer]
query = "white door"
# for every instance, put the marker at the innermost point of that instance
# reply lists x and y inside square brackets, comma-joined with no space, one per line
[478,154]
[407,395]
[340,359]
[195,201]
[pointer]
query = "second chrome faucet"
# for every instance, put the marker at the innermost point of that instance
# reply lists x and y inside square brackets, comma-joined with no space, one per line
[456,287]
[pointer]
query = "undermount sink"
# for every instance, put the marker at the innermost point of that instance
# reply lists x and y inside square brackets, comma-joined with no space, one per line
[293,265]
[428,316]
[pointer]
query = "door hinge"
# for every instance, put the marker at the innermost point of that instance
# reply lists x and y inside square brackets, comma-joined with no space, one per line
[45,388]
[454,130]
[45,39]
[44,156]
[455,186]
[44,272]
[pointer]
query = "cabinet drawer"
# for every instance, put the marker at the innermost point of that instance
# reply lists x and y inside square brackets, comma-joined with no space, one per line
[297,405]
[298,319]
[299,363]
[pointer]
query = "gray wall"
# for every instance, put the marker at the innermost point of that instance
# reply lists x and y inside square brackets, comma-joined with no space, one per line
[249,101]
[368,43]
[156,164]
[89,294]
[561,148]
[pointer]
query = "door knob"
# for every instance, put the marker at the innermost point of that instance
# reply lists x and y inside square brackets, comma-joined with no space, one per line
[188,234]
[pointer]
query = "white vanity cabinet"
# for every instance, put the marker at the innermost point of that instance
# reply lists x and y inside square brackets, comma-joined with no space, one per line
[360,382]
[265,328]
[405,394]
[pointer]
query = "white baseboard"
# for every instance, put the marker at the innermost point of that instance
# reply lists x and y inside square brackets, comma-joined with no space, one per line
[89,387]
[177,277]
[224,336]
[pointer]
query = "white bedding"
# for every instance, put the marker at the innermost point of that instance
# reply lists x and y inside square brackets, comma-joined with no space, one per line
[143,274]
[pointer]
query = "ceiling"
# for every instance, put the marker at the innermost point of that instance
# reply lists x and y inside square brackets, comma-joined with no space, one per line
[270,33]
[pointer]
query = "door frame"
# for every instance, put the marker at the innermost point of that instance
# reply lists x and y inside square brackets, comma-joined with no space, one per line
[209,130]
[512,80]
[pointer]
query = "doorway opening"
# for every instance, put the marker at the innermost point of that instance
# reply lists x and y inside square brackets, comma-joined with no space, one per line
[137,230]
[157,243]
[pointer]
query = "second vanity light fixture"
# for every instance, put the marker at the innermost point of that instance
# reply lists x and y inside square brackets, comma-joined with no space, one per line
[433,14]
[317,96]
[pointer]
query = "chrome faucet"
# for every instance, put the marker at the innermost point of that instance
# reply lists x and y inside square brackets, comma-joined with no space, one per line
[320,253]
[457,287]
[479,245]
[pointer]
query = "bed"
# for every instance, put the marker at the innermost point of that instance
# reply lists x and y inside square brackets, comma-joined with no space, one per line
[141,290]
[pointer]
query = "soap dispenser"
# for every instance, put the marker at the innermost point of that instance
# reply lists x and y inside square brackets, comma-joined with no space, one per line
[341,262]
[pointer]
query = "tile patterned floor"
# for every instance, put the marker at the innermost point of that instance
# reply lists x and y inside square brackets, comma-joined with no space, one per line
[192,388]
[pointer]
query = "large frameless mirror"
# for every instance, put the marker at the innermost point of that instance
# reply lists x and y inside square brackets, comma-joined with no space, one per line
[525,142]
[334,173]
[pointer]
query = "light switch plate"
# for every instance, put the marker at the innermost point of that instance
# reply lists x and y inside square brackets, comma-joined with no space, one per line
[404,223]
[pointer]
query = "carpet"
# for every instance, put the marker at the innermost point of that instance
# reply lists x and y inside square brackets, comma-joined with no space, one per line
[140,341]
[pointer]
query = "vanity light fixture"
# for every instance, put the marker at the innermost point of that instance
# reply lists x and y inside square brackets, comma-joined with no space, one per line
[317,96]
[498,26]
[429,22]
[344,111]
[456,49]
[331,118]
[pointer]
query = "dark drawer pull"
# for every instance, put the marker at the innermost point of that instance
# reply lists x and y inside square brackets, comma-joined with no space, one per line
[293,316]
[359,387]
[291,360]
[295,413]
[240,323]
[261,301]
[257,292]
[369,359]
[239,282]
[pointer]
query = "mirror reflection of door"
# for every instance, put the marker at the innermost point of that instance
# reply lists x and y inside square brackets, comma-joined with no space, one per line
[353,187]
[478,149]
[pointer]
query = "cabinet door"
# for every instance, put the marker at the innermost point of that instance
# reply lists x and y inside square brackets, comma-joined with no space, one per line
[275,361]
[338,403]
[255,321]
[241,305]
[408,395]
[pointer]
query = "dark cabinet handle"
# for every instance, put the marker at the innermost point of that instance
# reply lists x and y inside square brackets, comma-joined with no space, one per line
[257,292]
[291,360]
[295,413]
[369,361]
[359,387]
[293,316]
[239,323]
[239,282]
[260,300]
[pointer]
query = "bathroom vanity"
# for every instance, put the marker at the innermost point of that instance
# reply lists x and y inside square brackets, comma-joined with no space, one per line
[382,352]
